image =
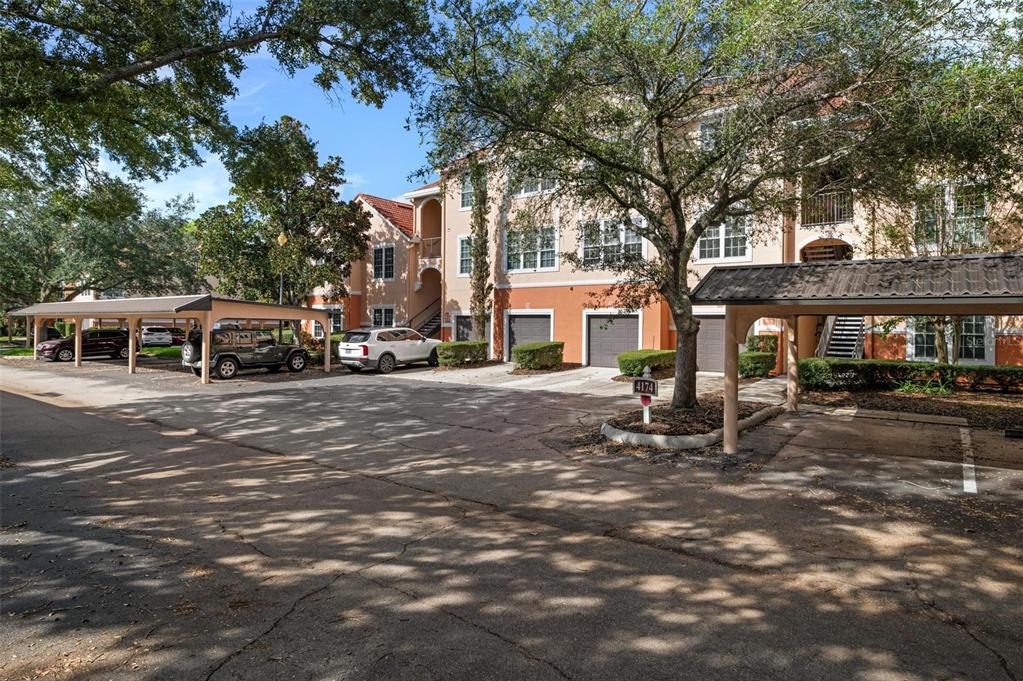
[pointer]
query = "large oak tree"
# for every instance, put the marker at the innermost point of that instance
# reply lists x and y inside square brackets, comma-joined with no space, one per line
[681,116]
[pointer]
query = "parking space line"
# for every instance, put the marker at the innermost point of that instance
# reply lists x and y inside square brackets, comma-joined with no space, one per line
[969,472]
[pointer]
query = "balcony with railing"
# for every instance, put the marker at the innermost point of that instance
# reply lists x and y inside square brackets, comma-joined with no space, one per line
[830,208]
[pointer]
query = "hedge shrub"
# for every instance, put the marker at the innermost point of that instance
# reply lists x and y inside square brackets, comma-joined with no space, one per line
[818,373]
[538,355]
[454,353]
[631,363]
[756,364]
[762,343]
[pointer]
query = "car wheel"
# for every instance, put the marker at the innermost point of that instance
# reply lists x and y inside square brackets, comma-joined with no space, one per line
[354,370]
[296,362]
[123,353]
[386,364]
[433,361]
[187,350]
[65,355]
[226,368]
[273,368]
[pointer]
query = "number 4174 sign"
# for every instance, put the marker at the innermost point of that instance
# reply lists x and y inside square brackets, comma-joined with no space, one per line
[644,386]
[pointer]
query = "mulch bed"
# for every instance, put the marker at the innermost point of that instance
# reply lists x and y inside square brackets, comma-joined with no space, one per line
[660,375]
[707,416]
[470,365]
[988,411]
[566,366]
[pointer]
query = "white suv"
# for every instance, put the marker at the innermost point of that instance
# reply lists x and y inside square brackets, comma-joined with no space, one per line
[385,348]
[156,335]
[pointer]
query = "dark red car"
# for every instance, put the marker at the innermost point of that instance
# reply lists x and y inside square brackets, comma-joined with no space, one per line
[178,336]
[110,342]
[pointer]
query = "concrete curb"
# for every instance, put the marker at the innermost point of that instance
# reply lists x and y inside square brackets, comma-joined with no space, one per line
[685,441]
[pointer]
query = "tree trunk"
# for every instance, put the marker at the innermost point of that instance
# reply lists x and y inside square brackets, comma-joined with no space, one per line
[687,327]
[956,329]
[940,342]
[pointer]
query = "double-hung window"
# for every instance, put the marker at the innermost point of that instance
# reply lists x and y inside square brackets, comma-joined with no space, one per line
[971,337]
[608,242]
[727,241]
[534,185]
[383,262]
[952,217]
[466,196]
[383,316]
[924,344]
[531,251]
[337,322]
[464,255]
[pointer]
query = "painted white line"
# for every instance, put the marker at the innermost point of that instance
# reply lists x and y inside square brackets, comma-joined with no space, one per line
[969,472]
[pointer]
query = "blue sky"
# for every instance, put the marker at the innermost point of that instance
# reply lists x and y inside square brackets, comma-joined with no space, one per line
[378,152]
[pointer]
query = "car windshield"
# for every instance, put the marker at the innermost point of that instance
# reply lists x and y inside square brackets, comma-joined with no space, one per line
[157,329]
[355,337]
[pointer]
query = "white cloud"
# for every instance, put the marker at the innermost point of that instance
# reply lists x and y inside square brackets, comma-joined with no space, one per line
[207,184]
[353,183]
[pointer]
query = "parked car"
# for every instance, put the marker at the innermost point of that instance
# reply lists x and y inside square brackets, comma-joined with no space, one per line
[50,333]
[112,342]
[156,335]
[236,349]
[178,336]
[384,348]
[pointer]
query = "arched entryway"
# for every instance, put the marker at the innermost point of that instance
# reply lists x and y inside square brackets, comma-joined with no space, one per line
[426,307]
[826,249]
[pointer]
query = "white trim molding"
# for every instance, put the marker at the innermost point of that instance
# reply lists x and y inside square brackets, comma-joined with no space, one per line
[601,312]
[989,344]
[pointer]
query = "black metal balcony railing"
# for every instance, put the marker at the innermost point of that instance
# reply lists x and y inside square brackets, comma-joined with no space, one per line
[827,209]
[430,248]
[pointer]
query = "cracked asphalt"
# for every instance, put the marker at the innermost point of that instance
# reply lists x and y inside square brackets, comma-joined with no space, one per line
[360,528]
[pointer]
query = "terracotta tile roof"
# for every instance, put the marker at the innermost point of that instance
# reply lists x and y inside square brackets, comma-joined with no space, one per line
[980,278]
[397,213]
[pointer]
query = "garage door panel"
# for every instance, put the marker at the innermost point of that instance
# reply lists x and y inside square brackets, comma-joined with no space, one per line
[710,344]
[528,329]
[608,336]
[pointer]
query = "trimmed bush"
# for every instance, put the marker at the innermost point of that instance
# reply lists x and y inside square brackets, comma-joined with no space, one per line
[631,363]
[755,364]
[454,353]
[818,373]
[762,343]
[539,355]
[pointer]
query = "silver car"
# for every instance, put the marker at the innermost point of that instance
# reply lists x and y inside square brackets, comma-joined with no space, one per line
[384,348]
[156,335]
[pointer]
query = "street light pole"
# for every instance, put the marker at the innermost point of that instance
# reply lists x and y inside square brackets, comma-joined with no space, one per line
[282,241]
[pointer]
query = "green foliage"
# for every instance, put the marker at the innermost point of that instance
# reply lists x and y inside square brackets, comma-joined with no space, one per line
[148,82]
[454,353]
[817,373]
[282,188]
[479,249]
[762,343]
[631,363]
[606,100]
[756,364]
[53,247]
[538,355]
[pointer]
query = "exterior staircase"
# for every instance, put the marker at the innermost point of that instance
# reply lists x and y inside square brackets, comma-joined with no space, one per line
[430,327]
[845,338]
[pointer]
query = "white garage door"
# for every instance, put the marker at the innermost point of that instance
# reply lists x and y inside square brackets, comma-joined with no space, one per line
[607,336]
[527,329]
[710,344]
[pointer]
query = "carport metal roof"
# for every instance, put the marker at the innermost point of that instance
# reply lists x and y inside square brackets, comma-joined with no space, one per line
[207,308]
[990,284]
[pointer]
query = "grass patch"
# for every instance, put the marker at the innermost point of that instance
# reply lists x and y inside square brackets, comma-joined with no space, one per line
[15,352]
[171,351]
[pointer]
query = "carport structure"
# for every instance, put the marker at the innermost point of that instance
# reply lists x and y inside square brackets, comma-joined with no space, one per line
[205,309]
[952,285]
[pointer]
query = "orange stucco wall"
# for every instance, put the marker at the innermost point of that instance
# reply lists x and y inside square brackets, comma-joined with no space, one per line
[568,304]
[891,346]
[352,310]
[1009,350]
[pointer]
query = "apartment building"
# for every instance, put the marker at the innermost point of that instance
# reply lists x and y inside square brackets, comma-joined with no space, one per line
[538,296]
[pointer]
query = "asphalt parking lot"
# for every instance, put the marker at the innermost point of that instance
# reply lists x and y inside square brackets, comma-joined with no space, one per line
[358,528]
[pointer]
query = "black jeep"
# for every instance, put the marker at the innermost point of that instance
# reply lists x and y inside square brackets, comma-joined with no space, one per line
[236,349]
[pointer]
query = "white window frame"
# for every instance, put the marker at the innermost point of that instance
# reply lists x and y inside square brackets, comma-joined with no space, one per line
[522,192]
[466,190]
[394,263]
[989,343]
[318,330]
[340,312]
[622,228]
[382,308]
[721,258]
[521,270]
[948,190]
[464,239]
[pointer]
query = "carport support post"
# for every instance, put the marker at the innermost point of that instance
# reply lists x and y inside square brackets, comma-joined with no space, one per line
[731,425]
[792,363]
[78,341]
[37,324]
[133,324]
[326,347]
[207,322]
